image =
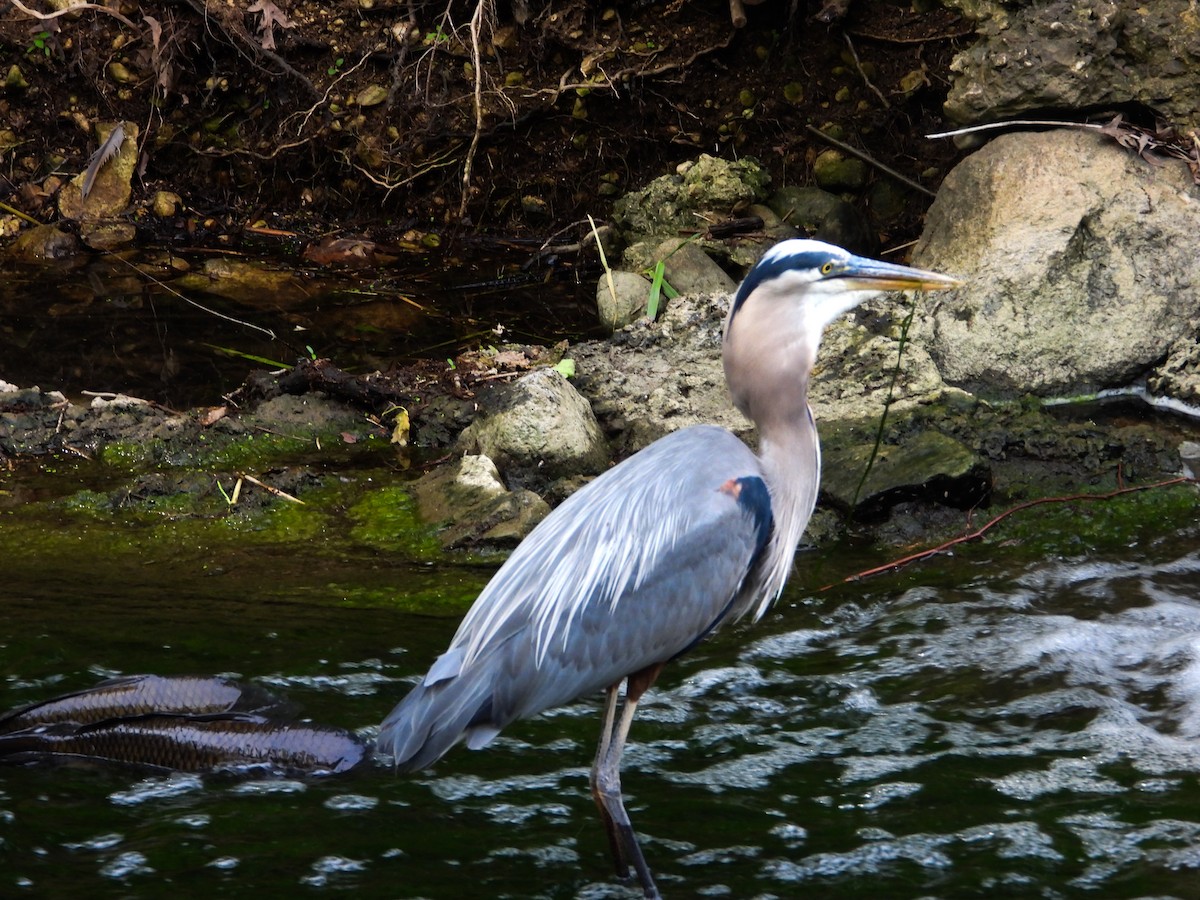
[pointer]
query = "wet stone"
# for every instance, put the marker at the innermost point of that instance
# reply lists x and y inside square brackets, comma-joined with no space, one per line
[927,466]
[44,242]
[825,216]
[689,270]
[624,301]
[537,430]
[471,507]
[835,172]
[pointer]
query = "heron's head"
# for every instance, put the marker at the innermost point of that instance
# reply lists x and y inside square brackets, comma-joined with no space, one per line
[819,282]
[782,308]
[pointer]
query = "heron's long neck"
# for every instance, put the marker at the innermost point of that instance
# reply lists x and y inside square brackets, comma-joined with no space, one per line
[767,365]
[791,458]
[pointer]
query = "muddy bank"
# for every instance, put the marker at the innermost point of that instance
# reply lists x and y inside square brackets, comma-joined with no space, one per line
[396,120]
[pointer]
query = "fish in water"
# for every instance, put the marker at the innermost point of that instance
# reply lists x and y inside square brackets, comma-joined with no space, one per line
[133,695]
[193,744]
[187,723]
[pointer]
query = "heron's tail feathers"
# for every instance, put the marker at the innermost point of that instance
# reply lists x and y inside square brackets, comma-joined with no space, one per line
[435,717]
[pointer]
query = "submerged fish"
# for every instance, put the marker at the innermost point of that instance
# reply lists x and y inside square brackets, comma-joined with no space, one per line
[184,724]
[192,744]
[134,695]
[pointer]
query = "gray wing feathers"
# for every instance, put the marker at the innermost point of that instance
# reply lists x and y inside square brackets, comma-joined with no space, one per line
[431,720]
[629,571]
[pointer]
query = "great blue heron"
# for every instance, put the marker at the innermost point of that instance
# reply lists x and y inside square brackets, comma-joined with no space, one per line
[692,532]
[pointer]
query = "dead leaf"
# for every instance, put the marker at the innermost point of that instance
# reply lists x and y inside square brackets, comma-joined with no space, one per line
[272,15]
[511,359]
[356,252]
[400,432]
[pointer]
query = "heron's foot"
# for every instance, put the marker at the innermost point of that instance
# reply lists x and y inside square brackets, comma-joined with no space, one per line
[633,853]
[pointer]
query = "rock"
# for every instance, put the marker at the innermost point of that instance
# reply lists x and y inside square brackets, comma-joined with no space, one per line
[251,283]
[627,304]
[44,242]
[372,95]
[774,227]
[1179,376]
[537,430]
[535,207]
[1080,261]
[15,79]
[890,202]
[165,204]
[689,270]
[654,377]
[834,171]
[1189,459]
[120,73]
[826,217]
[470,505]
[925,466]
[107,234]
[1063,54]
[708,185]
[113,186]
[707,190]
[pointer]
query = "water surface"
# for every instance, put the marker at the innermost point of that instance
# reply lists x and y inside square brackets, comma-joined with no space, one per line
[978,726]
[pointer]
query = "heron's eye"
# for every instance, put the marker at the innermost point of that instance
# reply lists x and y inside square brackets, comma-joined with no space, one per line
[826,268]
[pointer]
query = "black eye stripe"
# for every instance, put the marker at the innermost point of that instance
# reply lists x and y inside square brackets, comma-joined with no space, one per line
[766,270]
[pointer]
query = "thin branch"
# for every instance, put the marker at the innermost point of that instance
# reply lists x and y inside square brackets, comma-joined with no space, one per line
[990,126]
[324,98]
[887,403]
[200,306]
[477,64]
[46,17]
[863,75]
[242,476]
[816,132]
[12,210]
[446,159]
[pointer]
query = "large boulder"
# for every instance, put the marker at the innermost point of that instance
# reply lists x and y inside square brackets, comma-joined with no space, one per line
[1080,261]
[1078,54]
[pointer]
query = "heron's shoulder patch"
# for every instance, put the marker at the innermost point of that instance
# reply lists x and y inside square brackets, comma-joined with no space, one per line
[751,494]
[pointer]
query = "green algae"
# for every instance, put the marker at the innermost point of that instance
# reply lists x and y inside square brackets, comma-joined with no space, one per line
[1089,526]
[117,525]
[387,520]
[222,450]
[438,593]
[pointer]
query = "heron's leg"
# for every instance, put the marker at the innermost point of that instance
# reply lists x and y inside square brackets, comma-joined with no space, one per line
[607,781]
[612,697]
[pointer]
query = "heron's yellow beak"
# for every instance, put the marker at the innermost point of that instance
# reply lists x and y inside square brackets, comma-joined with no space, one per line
[861,274]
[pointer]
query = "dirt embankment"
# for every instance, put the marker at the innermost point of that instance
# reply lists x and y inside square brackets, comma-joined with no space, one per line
[379,116]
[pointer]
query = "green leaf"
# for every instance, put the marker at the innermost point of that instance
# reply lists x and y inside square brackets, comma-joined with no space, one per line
[261,360]
[656,286]
[566,368]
